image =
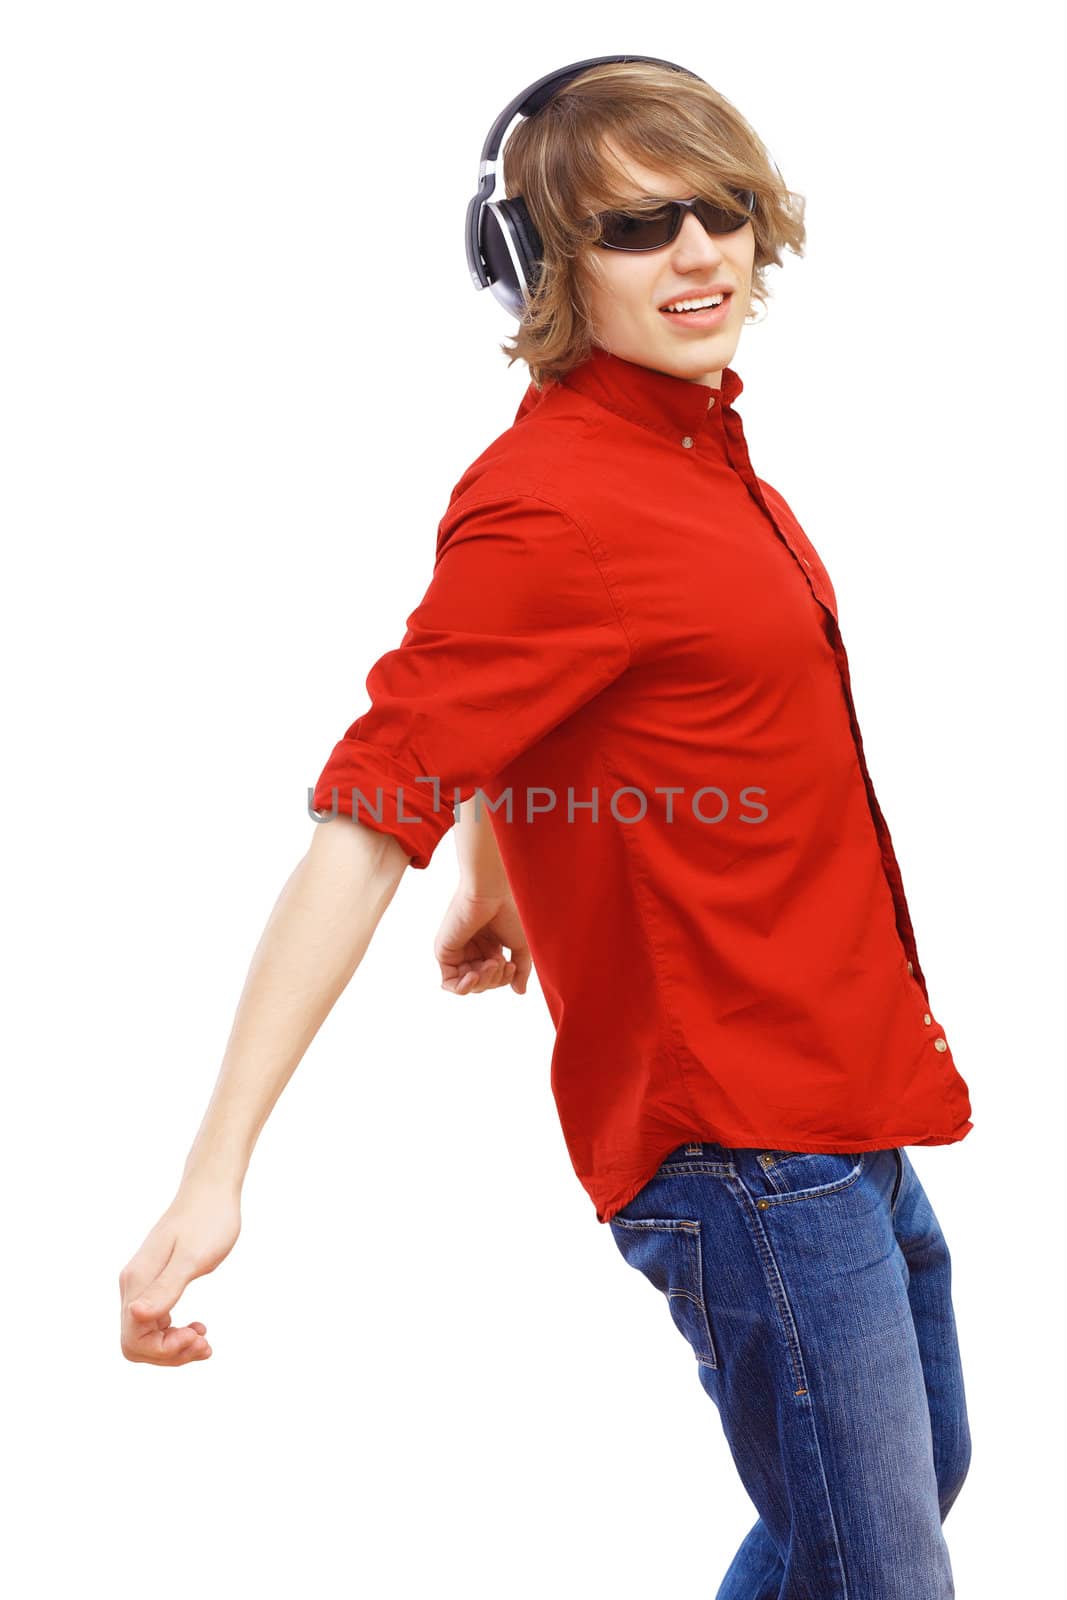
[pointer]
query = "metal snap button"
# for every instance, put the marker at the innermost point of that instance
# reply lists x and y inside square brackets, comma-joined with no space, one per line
[687,442]
[940,1044]
[910,967]
[926,1018]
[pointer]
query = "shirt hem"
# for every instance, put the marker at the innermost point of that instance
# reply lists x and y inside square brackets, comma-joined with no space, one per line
[606,1211]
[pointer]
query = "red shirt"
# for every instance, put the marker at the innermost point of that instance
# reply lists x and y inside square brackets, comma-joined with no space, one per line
[619,608]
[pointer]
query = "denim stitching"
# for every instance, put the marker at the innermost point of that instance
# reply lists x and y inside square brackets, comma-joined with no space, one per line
[691,1226]
[776,1287]
[809,1194]
[720,1169]
[781,1184]
[780,1297]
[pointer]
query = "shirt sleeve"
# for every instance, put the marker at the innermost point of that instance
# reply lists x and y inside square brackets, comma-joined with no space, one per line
[517,629]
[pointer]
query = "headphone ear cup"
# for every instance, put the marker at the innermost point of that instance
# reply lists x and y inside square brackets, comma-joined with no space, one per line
[529,239]
[512,250]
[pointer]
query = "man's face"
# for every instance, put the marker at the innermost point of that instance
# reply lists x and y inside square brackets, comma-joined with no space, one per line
[626,290]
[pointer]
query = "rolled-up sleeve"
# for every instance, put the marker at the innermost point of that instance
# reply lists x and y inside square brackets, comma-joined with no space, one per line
[518,628]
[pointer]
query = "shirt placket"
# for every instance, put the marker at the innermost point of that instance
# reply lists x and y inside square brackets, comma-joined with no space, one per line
[739,458]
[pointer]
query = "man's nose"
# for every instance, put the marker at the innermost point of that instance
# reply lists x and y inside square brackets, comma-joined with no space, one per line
[694,238]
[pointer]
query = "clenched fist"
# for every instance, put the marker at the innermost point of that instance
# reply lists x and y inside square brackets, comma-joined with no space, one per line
[470,942]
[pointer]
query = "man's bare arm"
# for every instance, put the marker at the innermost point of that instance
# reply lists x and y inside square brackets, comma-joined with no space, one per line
[481,869]
[482,917]
[315,938]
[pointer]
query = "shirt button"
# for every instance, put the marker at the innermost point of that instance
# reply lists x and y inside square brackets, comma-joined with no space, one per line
[940,1044]
[926,1018]
[687,442]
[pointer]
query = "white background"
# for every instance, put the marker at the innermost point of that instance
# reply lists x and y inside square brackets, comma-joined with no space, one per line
[242,367]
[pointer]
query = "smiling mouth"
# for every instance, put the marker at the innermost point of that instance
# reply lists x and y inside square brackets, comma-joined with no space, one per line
[701,307]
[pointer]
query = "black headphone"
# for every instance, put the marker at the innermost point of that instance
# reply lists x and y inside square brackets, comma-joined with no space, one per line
[504,250]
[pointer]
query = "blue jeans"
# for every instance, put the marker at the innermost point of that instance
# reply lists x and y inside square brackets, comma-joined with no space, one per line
[814,1292]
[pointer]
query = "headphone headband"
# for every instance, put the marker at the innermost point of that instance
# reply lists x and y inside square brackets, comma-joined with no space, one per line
[504,250]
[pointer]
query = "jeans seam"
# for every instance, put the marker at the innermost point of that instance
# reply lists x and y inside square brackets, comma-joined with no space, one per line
[776,1289]
[900,1175]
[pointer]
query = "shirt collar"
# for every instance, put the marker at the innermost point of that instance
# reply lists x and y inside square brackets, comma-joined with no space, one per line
[658,400]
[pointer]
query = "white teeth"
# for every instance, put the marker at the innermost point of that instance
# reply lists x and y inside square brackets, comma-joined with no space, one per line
[695,305]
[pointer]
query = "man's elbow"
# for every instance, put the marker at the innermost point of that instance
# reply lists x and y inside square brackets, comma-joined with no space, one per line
[369,854]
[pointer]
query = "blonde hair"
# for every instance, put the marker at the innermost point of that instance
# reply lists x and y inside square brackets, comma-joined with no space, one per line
[661,118]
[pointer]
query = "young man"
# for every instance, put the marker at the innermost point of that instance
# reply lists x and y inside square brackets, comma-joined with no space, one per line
[631,648]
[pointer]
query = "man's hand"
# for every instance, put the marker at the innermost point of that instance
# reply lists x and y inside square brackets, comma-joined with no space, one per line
[196,1232]
[470,944]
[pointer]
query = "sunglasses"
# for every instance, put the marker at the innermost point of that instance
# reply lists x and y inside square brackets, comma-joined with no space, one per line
[651,230]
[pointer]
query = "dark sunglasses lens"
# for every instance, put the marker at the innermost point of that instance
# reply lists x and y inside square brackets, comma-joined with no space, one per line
[624,230]
[718,220]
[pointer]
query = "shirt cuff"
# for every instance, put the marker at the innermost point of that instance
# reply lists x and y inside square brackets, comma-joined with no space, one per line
[353,777]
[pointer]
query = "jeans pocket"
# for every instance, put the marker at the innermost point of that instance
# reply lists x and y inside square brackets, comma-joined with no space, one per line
[667,1251]
[806,1174]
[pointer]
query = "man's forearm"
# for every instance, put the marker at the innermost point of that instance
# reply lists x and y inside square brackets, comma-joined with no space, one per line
[315,938]
[480,866]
